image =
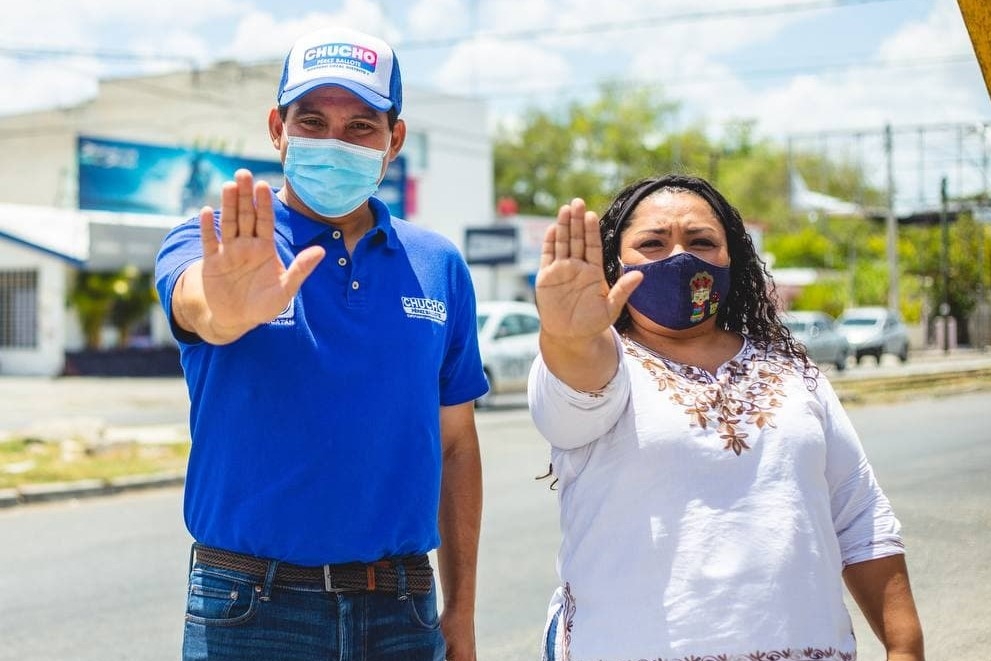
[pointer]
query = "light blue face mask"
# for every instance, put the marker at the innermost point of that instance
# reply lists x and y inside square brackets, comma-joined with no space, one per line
[332,177]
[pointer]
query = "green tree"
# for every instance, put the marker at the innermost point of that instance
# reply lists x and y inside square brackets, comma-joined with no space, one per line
[92,298]
[827,295]
[591,150]
[924,262]
[134,295]
[121,298]
[754,179]
[588,150]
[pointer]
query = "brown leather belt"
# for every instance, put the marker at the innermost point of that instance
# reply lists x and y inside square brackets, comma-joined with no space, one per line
[380,576]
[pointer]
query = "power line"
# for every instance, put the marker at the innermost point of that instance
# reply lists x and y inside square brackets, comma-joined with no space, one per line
[641,22]
[512,35]
[98,54]
[744,74]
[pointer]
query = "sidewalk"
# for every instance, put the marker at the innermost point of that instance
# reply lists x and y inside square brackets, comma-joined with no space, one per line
[157,407]
[94,411]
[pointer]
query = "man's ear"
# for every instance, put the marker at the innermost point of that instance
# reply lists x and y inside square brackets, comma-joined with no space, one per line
[398,139]
[275,128]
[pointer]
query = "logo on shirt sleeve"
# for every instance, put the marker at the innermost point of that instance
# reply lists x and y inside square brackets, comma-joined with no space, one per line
[425,308]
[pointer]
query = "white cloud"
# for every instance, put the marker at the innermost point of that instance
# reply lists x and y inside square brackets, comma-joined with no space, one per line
[437,19]
[491,66]
[261,35]
[520,15]
[45,84]
[56,52]
[150,17]
[885,90]
[562,53]
[942,33]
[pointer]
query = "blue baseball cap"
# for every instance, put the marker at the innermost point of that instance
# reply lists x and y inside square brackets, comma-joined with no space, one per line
[358,62]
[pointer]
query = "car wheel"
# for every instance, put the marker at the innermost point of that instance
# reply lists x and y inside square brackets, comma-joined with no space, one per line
[903,354]
[841,362]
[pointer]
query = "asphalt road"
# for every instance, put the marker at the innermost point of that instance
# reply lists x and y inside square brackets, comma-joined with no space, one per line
[104,578]
[85,403]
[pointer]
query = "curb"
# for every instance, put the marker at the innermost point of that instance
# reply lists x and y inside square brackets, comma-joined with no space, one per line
[880,389]
[43,493]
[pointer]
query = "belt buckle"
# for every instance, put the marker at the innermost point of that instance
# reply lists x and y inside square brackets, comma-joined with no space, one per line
[328,581]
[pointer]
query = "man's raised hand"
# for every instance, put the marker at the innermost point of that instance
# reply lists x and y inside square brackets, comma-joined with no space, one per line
[244,281]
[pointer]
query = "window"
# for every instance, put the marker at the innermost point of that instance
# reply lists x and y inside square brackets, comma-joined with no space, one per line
[18,309]
[518,324]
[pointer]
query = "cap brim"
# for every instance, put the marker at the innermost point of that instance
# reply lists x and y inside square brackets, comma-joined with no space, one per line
[373,99]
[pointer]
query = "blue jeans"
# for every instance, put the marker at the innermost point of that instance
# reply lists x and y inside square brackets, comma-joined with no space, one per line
[550,638]
[233,616]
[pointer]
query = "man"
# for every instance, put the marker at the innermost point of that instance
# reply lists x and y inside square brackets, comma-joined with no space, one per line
[334,441]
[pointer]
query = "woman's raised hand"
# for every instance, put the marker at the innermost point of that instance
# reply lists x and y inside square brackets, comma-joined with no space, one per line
[573,297]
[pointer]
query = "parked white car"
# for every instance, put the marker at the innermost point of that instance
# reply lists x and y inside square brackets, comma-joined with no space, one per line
[508,335]
[874,331]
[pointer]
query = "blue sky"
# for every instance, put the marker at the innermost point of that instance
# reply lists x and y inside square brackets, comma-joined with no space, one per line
[792,67]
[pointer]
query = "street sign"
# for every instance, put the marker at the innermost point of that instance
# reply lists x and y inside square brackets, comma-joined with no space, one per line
[490,245]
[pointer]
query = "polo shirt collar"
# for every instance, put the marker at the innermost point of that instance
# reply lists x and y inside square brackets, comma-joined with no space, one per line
[300,230]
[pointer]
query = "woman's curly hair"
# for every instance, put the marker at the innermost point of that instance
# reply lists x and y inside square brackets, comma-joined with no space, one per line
[750,306]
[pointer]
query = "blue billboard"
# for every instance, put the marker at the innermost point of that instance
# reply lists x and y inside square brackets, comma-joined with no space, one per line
[392,190]
[173,181]
[133,177]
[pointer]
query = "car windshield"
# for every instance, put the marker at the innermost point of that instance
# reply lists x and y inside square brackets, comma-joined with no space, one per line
[796,326]
[860,321]
[482,318]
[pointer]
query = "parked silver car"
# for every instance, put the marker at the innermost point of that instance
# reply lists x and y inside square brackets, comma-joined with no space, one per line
[508,339]
[874,331]
[817,331]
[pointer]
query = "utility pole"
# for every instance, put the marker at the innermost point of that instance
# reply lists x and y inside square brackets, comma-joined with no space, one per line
[983,306]
[984,203]
[788,177]
[944,265]
[891,224]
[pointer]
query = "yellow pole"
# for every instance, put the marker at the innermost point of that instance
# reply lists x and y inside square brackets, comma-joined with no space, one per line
[977,17]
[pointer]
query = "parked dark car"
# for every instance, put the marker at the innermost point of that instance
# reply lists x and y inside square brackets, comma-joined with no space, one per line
[817,331]
[874,331]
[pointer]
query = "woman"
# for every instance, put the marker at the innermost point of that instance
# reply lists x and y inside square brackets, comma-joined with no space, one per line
[712,489]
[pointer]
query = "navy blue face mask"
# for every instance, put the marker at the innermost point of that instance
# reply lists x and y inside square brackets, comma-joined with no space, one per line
[679,292]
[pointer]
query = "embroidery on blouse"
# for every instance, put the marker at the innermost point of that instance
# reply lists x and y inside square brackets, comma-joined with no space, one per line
[745,392]
[789,654]
[568,616]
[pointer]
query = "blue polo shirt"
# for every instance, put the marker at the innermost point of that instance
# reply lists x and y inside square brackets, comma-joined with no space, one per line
[316,436]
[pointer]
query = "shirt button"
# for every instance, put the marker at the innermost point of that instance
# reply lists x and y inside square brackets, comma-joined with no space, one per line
[342,262]
[354,284]
[336,234]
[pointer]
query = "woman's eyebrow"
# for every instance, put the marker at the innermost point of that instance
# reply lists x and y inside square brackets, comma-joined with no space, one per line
[654,230]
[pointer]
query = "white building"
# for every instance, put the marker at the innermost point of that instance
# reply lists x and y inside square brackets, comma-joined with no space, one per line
[45,238]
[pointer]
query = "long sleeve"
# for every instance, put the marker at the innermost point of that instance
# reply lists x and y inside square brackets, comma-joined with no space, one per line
[865,524]
[570,419]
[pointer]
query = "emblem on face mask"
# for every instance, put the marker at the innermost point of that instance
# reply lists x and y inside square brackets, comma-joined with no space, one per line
[680,291]
[704,300]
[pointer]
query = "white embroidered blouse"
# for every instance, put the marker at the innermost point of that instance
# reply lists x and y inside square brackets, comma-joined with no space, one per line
[706,517]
